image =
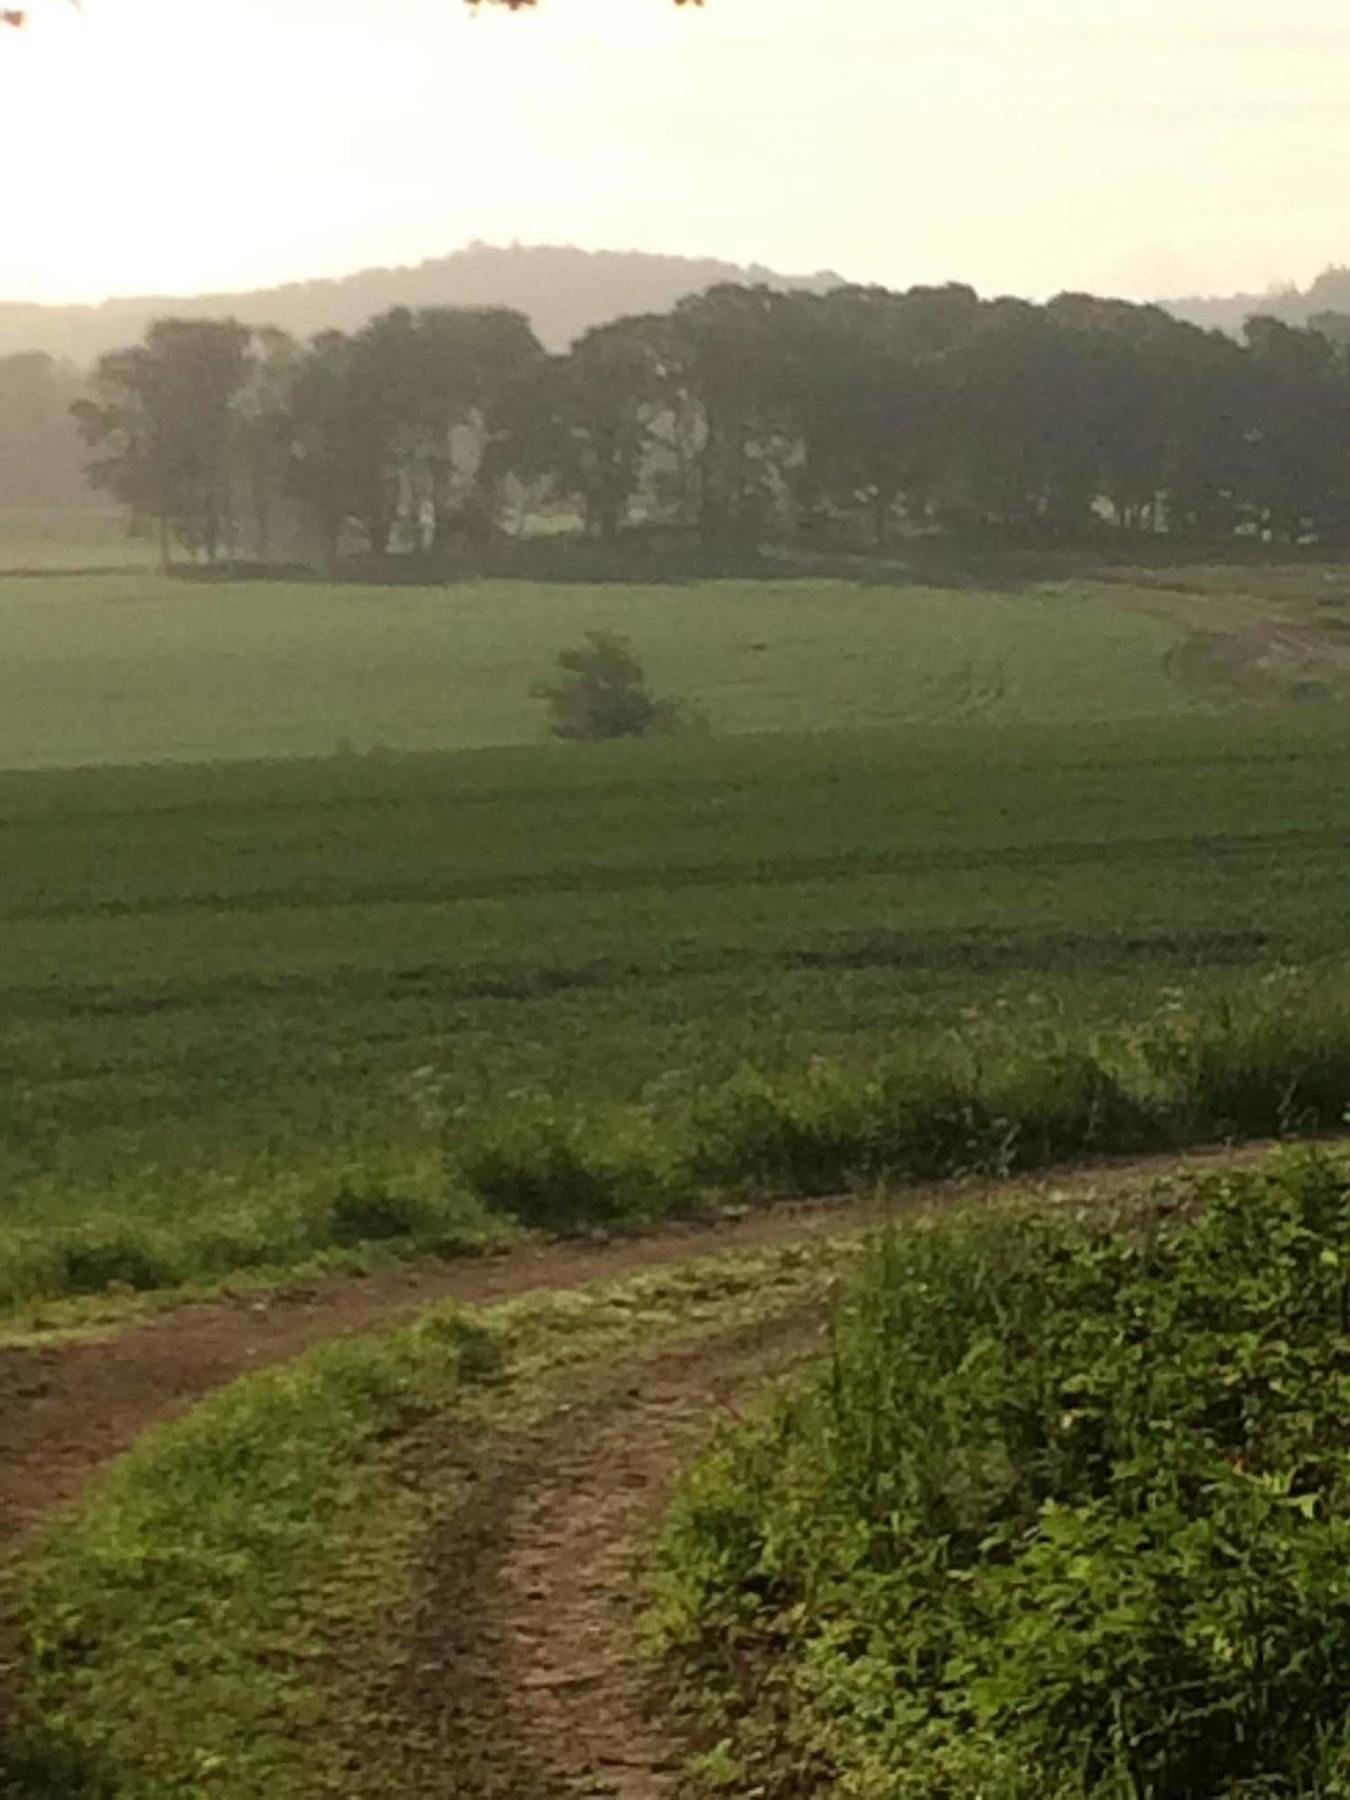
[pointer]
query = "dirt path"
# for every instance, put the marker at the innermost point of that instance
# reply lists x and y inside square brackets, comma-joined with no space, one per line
[69,1408]
[520,1674]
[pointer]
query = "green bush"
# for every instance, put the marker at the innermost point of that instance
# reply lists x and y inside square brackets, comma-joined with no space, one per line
[603,693]
[1066,1513]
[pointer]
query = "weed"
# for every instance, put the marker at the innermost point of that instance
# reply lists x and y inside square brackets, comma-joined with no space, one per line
[1064,1512]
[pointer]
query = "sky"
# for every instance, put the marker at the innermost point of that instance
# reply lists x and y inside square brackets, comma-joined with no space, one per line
[1026,146]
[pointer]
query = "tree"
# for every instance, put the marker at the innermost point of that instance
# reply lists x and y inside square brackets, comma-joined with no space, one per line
[163,425]
[604,694]
[862,396]
[266,447]
[728,358]
[417,415]
[614,389]
[1298,428]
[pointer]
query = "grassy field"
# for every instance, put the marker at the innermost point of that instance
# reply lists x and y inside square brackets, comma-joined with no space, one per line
[109,662]
[233,992]
[975,814]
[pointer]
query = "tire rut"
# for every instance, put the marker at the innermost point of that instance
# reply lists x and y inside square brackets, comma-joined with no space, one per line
[68,1408]
[520,1674]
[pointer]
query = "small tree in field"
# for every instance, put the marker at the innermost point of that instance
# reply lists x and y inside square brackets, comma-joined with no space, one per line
[603,693]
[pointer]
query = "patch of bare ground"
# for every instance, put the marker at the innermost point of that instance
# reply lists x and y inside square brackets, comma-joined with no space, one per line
[519,1673]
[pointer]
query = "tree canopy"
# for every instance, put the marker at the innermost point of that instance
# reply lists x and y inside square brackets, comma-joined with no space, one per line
[744,415]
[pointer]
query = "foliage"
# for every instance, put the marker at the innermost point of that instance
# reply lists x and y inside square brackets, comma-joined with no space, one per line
[756,415]
[1065,1513]
[163,421]
[213,1618]
[603,694]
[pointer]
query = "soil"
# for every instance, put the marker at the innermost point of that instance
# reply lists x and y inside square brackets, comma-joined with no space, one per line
[520,1673]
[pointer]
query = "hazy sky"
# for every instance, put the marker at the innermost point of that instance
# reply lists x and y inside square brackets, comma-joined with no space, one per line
[1023,145]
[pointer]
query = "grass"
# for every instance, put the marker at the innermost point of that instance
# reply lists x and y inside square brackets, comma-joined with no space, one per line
[134,668]
[1103,1559]
[223,1615]
[243,1007]
[260,1014]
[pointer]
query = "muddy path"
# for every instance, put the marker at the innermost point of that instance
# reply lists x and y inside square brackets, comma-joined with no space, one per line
[70,1407]
[520,1672]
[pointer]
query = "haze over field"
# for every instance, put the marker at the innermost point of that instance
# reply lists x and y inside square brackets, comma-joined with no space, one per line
[1181,147]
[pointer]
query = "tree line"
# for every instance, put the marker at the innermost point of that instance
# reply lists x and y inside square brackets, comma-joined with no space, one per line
[743,415]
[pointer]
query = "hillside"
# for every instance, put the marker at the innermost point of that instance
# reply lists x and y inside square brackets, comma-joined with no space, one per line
[1330,292]
[561,289]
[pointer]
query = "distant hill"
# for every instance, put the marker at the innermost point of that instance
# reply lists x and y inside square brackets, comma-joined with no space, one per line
[1329,293]
[561,289]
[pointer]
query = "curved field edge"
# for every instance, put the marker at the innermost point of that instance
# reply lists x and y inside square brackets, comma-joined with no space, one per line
[212,1620]
[1105,1558]
[1275,1064]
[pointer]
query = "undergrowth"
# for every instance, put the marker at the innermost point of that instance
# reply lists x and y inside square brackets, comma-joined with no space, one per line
[1065,1515]
[222,1616]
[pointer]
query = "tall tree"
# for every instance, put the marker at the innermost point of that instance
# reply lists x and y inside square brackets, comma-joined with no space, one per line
[615,390]
[162,424]
[265,443]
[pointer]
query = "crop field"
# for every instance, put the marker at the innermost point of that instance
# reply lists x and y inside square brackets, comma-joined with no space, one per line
[311,938]
[109,662]
[232,992]
[318,957]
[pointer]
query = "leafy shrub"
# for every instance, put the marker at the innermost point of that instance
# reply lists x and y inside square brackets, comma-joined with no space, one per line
[603,694]
[1066,1513]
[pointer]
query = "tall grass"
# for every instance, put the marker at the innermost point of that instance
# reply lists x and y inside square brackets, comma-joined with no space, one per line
[1004,1104]
[1066,1513]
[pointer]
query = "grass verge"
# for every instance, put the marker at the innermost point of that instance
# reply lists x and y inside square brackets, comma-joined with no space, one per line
[996,1104]
[189,1630]
[1066,1514]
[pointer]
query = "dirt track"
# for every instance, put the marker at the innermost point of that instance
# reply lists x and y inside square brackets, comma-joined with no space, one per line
[69,1408]
[519,1674]
[520,1677]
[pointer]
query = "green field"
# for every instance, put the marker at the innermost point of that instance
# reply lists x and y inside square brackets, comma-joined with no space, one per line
[233,989]
[107,663]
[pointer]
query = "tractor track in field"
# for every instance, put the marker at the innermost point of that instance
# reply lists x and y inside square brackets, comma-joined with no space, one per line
[70,1407]
[520,1673]
[521,1676]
